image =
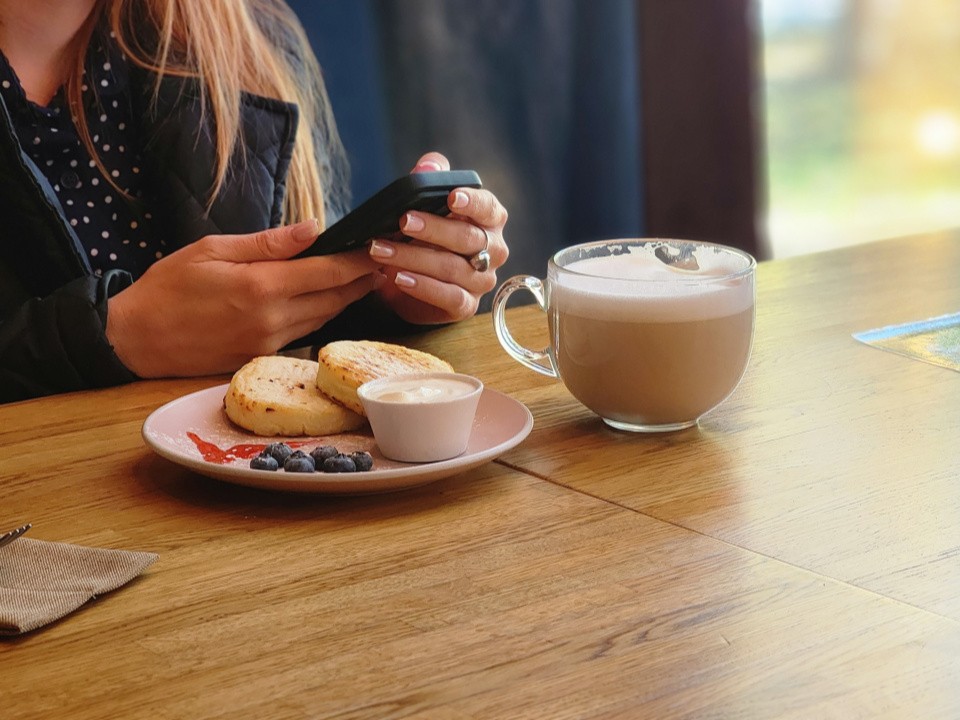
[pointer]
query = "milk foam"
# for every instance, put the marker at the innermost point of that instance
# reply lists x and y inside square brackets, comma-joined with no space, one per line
[636,286]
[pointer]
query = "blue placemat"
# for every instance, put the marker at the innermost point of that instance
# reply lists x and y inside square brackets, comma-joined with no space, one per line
[936,341]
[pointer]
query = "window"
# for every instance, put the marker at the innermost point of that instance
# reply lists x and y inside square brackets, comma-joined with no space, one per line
[862,120]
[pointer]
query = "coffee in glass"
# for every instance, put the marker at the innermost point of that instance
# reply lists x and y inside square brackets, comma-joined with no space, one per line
[644,344]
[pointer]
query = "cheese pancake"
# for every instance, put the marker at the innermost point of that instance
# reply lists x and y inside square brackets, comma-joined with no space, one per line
[345,365]
[274,395]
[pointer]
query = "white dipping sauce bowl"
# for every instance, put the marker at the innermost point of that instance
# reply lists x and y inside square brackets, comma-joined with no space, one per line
[414,421]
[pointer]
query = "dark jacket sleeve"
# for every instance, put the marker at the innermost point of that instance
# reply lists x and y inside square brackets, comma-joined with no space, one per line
[366,319]
[58,343]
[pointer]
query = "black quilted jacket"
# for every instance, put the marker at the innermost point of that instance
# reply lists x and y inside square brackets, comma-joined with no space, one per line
[53,309]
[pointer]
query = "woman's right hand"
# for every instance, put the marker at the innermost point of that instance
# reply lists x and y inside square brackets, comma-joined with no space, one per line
[216,303]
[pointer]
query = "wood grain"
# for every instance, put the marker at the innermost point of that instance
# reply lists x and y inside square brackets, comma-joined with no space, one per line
[831,455]
[791,558]
[491,595]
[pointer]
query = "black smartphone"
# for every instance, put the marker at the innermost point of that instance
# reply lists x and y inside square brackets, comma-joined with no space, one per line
[379,215]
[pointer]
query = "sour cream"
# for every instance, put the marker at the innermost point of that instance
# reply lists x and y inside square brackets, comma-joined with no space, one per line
[420,418]
[426,390]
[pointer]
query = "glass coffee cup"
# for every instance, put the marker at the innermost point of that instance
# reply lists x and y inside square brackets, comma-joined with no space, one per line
[649,334]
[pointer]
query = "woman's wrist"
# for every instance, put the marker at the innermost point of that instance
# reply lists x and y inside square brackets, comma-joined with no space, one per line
[121,332]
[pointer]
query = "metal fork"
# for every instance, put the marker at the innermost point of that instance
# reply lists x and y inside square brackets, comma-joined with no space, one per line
[11,535]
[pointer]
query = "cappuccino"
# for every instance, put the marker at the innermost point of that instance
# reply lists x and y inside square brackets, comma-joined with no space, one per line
[643,344]
[648,342]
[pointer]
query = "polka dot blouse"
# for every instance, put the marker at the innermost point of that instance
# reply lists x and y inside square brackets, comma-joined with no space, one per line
[114,228]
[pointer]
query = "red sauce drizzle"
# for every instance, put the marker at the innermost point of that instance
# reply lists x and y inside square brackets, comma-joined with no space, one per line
[214,454]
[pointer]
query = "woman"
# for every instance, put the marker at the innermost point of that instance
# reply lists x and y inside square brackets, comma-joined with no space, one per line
[161,164]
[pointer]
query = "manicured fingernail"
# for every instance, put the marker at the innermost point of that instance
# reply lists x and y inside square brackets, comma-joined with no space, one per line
[306,230]
[429,165]
[412,223]
[460,199]
[380,249]
[404,280]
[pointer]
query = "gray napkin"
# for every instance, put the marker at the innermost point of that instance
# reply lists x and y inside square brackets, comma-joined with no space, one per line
[42,581]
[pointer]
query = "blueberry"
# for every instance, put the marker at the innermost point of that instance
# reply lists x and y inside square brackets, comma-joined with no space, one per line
[362,459]
[299,461]
[280,452]
[263,461]
[339,464]
[322,452]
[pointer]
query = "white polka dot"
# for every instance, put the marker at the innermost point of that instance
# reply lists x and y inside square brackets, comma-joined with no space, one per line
[126,241]
[113,256]
[104,234]
[73,222]
[56,188]
[96,138]
[133,225]
[49,163]
[69,202]
[98,272]
[114,217]
[104,82]
[54,129]
[84,87]
[6,84]
[158,255]
[135,170]
[121,148]
[106,66]
[103,118]
[73,163]
[115,173]
[89,203]
[106,148]
[115,104]
[36,140]
[95,181]
[94,252]
[92,163]
[148,216]
[122,126]
[142,244]
[86,220]
[108,199]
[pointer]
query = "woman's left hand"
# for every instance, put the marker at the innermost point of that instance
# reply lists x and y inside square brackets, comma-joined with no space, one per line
[431,277]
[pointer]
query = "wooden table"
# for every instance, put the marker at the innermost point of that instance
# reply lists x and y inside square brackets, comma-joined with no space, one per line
[797,555]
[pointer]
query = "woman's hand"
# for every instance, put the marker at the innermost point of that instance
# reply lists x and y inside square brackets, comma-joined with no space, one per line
[431,278]
[224,299]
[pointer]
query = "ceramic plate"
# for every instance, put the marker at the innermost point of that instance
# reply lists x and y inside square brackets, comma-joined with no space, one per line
[193,431]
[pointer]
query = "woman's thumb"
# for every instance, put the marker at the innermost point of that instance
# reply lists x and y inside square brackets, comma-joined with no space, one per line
[272,244]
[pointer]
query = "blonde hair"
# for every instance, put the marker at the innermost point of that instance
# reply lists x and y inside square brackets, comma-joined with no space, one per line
[230,47]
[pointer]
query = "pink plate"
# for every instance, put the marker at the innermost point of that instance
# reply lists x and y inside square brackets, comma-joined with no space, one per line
[193,431]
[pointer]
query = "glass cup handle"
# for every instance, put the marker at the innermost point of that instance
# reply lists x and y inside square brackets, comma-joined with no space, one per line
[540,361]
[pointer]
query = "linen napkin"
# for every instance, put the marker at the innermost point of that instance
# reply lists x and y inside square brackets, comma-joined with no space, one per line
[43,581]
